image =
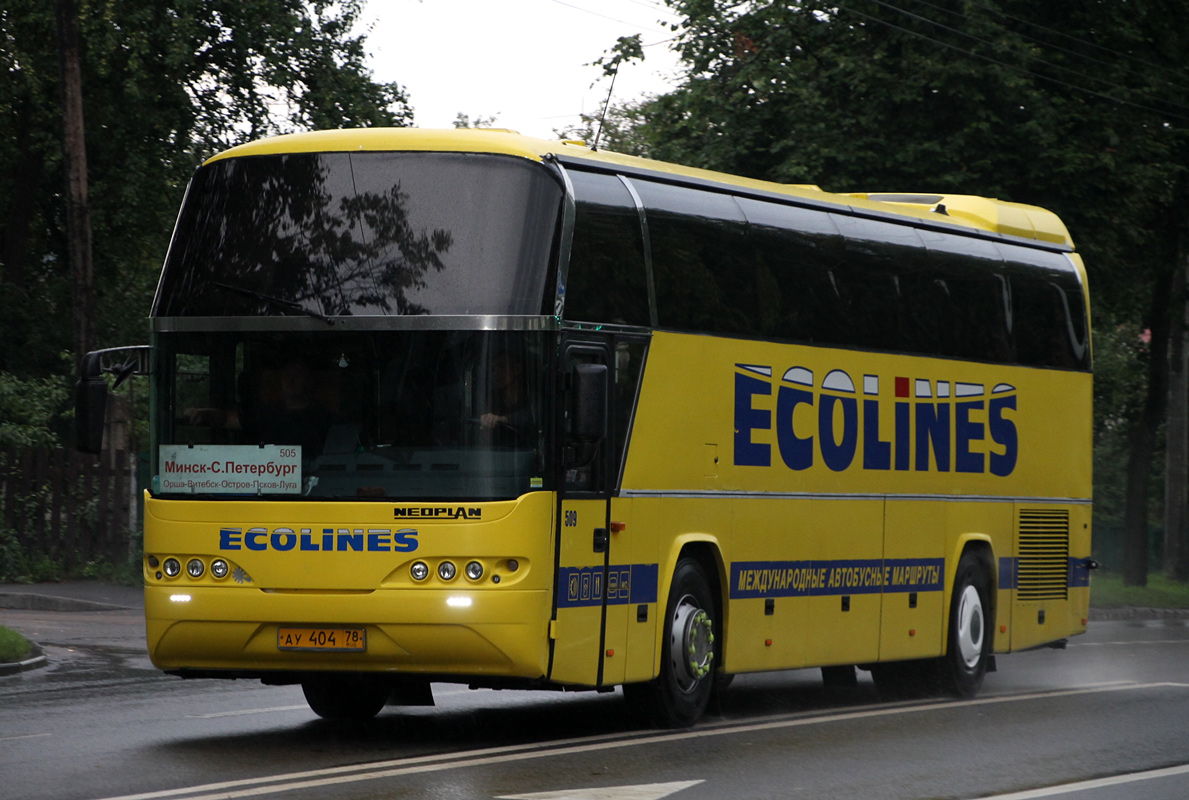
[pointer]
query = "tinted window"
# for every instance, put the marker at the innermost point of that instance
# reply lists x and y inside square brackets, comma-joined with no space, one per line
[362,233]
[877,259]
[1048,315]
[389,414]
[606,280]
[962,303]
[796,257]
[700,259]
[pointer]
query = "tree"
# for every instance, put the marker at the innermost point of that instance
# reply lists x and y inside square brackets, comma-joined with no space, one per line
[1021,101]
[164,85]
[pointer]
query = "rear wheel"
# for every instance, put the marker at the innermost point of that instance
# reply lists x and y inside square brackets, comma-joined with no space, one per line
[968,653]
[961,670]
[679,695]
[346,698]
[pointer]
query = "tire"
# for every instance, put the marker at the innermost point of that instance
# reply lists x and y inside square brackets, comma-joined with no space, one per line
[970,639]
[346,698]
[678,697]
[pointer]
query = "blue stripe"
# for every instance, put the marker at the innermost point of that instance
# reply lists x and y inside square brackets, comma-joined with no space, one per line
[579,587]
[1077,576]
[1007,573]
[815,578]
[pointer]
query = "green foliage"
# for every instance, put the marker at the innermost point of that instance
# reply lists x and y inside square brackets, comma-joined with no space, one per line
[13,646]
[20,563]
[465,121]
[33,411]
[626,48]
[622,130]
[1107,591]
[124,574]
[165,85]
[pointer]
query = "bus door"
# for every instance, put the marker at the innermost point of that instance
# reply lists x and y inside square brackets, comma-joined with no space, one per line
[583,532]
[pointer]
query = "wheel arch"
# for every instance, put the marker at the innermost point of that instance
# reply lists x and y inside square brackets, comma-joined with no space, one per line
[707,551]
[981,545]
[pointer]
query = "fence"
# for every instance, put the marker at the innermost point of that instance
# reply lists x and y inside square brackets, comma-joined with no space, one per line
[70,507]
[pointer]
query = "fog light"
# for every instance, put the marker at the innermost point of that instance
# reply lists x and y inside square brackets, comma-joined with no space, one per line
[172,567]
[513,565]
[219,568]
[474,570]
[419,570]
[447,571]
[195,567]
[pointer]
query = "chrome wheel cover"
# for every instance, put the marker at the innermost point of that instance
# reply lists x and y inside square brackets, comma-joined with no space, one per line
[691,644]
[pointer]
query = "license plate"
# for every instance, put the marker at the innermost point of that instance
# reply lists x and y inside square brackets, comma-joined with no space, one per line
[336,640]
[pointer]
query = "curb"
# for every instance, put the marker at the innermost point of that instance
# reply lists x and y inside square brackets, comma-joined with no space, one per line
[42,602]
[35,661]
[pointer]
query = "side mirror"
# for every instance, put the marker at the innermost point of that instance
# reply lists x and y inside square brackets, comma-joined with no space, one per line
[90,405]
[590,402]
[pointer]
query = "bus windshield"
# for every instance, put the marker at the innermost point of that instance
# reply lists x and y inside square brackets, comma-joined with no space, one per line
[370,233]
[426,415]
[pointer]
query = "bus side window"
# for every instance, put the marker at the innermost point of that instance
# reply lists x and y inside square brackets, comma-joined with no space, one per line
[974,323]
[795,251]
[701,266]
[876,253]
[1047,309]
[606,280]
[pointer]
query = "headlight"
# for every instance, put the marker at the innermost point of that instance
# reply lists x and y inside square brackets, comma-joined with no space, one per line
[172,567]
[195,568]
[219,568]
[474,570]
[419,570]
[447,571]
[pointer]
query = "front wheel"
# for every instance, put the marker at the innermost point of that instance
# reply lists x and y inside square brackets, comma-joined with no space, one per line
[346,698]
[678,697]
[969,642]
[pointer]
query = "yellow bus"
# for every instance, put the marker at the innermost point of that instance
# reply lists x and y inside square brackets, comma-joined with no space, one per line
[467,406]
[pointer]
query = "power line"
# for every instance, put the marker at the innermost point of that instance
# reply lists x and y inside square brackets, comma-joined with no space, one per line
[1037,75]
[1059,48]
[987,42]
[1088,43]
[635,25]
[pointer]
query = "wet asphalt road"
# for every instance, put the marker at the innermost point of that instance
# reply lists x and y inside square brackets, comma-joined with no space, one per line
[100,722]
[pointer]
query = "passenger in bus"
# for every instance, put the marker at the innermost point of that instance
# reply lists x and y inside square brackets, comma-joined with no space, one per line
[509,419]
[295,417]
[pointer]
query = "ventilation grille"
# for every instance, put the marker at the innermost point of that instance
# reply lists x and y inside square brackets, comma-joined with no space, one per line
[1044,555]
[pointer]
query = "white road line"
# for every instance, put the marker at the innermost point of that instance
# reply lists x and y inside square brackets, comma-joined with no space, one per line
[1086,786]
[245,712]
[252,787]
[25,736]
[1127,644]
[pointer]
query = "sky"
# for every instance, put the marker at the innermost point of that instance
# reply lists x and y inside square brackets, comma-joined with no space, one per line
[521,61]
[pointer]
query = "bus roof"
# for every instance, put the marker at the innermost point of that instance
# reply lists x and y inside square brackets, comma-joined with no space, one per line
[981,213]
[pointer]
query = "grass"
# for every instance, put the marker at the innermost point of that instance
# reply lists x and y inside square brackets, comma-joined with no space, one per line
[13,646]
[1107,591]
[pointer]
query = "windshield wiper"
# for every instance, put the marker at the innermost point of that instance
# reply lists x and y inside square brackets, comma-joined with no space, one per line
[274,301]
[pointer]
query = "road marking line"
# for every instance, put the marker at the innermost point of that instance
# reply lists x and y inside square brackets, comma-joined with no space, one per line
[643,791]
[1098,783]
[1127,644]
[513,753]
[25,736]
[245,712]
